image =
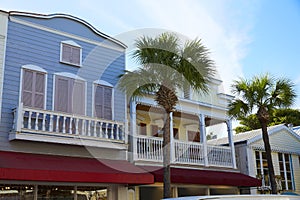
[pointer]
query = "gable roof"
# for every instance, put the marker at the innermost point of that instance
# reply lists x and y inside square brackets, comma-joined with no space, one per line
[297,130]
[71,17]
[254,135]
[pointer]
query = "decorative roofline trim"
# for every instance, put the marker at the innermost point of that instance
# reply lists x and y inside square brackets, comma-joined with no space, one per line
[69,75]
[102,82]
[55,15]
[34,68]
[225,96]
[71,42]
[273,131]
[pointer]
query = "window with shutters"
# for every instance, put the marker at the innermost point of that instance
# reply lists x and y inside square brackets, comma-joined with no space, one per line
[193,136]
[69,95]
[70,53]
[154,130]
[103,101]
[33,88]
[142,129]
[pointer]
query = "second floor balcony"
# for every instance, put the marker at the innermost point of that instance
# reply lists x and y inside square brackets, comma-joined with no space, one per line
[183,152]
[58,127]
[190,145]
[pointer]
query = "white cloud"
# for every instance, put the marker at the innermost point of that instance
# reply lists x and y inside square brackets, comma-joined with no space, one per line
[223,25]
[211,24]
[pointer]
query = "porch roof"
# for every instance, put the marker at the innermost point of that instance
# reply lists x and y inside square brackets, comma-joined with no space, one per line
[37,167]
[204,177]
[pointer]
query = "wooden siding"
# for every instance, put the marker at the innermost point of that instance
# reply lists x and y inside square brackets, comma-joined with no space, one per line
[3,34]
[296,171]
[28,45]
[279,141]
[68,25]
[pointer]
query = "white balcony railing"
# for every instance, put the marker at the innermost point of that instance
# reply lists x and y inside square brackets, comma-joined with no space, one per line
[189,152]
[32,120]
[151,149]
[219,156]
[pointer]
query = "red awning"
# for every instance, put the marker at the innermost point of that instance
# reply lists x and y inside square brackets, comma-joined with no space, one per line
[38,167]
[204,177]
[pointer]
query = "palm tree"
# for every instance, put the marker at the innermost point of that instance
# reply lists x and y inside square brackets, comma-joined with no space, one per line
[167,65]
[262,94]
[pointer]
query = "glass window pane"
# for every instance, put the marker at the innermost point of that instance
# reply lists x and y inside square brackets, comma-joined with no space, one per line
[55,192]
[18,192]
[91,193]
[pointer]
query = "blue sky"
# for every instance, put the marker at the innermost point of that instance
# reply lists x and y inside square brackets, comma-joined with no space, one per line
[245,38]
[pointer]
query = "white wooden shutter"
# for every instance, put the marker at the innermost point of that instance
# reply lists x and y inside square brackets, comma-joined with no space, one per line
[33,90]
[78,99]
[69,95]
[103,102]
[98,101]
[107,103]
[39,94]
[62,91]
[66,53]
[75,55]
[27,92]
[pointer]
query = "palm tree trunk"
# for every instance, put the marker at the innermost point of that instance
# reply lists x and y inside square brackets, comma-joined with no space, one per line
[167,157]
[268,155]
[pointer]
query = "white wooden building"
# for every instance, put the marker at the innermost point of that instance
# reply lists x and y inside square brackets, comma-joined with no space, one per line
[251,160]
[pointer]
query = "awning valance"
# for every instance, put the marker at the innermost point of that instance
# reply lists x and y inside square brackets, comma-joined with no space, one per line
[204,177]
[38,167]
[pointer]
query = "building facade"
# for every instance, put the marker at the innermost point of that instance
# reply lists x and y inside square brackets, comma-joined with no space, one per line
[251,158]
[63,122]
[66,131]
[197,166]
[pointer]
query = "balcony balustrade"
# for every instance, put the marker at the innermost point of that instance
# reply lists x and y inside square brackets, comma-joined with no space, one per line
[54,123]
[151,149]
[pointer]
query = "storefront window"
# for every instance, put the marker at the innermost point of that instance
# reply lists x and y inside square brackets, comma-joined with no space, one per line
[18,192]
[50,192]
[90,193]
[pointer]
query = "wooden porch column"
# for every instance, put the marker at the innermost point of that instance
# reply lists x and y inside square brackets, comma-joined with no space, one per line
[172,143]
[203,137]
[133,132]
[35,192]
[230,141]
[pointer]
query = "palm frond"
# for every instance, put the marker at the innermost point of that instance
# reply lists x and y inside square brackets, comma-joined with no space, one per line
[238,108]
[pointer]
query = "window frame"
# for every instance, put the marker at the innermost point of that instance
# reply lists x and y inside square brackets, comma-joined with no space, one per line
[72,44]
[195,133]
[104,84]
[71,76]
[285,171]
[262,168]
[36,69]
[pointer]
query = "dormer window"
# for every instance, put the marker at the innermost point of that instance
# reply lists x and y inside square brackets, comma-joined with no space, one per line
[70,53]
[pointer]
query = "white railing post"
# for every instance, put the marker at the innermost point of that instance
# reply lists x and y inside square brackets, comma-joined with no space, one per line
[95,128]
[19,117]
[203,136]
[51,123]
[57,123]
[64,124]
[172,144]
[44,122]
[231,142]
[88,128]
[76,126]
[29,120]
[71,125]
